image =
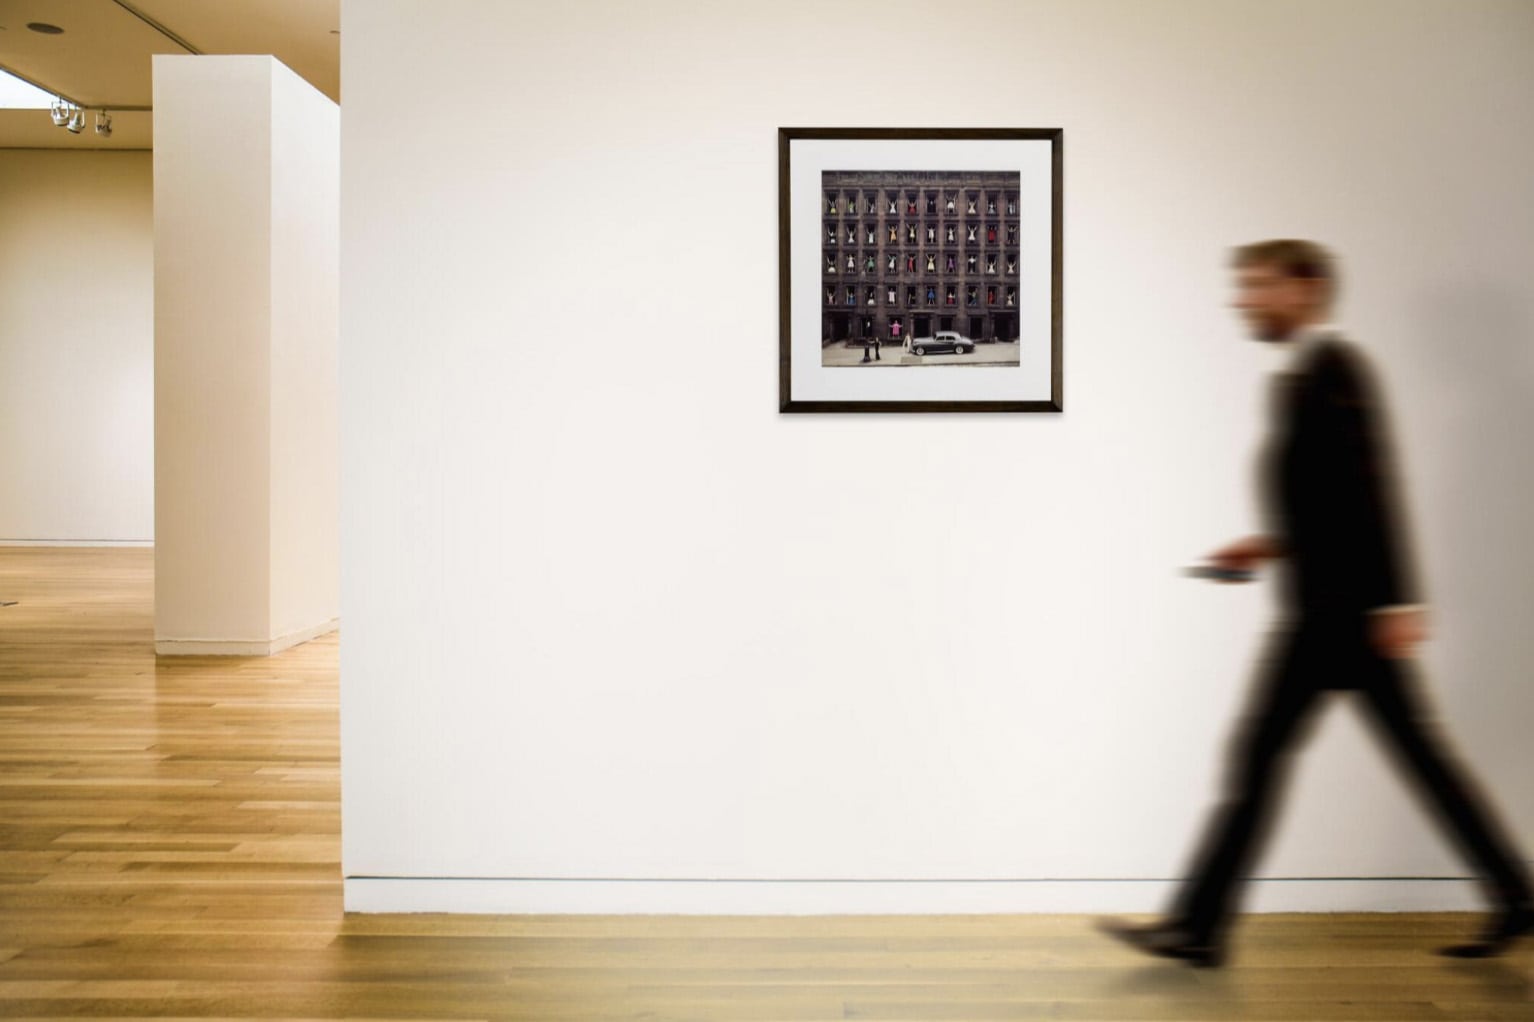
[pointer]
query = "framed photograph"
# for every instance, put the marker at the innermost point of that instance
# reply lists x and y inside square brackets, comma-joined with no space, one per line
[919,270]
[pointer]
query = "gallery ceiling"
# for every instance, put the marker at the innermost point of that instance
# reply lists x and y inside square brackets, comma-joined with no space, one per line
[102,57]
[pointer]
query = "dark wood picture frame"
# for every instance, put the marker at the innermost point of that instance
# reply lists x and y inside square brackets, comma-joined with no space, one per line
[786,400]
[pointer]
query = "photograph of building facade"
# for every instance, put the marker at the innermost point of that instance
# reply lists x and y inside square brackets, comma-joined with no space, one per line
[908,254]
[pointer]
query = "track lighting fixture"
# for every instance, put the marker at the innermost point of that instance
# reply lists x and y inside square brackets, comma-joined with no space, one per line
[71,117]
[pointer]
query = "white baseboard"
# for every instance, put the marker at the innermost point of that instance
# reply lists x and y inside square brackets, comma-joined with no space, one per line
[241,647]
[76,542]
[879,897]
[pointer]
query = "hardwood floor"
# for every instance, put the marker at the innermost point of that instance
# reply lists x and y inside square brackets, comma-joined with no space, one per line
[170,845]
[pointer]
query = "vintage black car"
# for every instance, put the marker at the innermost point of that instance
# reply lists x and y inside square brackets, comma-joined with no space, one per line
[946,340]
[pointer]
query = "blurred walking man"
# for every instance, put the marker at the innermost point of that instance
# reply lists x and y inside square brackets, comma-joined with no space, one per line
[1353,615]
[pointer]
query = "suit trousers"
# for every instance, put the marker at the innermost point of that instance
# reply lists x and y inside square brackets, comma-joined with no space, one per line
[1312,655]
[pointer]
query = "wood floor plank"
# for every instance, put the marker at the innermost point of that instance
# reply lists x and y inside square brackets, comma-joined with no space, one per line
[170,846]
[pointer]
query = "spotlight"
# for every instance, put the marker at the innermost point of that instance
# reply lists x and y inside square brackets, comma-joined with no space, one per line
[59,110]
[76,122]
[103,124]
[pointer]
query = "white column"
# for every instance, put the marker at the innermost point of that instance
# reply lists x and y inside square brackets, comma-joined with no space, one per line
[246,176]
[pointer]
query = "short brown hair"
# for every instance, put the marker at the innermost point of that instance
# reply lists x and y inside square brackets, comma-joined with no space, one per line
[1293,257]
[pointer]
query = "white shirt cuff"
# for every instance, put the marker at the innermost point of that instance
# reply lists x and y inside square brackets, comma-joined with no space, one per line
[1397,608]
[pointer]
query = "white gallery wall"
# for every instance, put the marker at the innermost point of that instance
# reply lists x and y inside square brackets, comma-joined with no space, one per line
[621,637]
[76,347]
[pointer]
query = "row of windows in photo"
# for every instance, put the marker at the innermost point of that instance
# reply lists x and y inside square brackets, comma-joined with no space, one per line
[915,296]
[893,203]
[992,263]
[950,234]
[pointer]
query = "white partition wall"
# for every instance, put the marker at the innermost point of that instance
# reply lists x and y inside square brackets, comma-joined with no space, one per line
[621,637]
[246,235]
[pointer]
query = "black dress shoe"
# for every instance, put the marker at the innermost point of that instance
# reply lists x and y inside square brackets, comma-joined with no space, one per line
[1169,940]
[1506,927]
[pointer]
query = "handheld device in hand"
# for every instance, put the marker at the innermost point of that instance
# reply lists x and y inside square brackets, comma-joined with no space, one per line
[1217,574]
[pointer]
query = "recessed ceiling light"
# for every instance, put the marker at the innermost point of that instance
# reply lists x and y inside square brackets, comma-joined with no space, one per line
[45,28]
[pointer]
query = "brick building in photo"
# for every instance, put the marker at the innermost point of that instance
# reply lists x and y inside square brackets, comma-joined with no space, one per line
[909,253]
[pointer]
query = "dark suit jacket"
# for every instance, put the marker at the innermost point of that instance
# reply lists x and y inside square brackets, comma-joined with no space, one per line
[1330,486]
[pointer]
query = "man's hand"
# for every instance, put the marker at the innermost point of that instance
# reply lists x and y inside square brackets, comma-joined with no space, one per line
[1246,554]
[1397,631]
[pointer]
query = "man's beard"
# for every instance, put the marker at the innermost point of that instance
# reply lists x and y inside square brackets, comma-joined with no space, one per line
[1271,331]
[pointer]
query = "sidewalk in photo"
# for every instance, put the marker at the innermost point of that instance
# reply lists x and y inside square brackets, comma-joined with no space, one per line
[896,354]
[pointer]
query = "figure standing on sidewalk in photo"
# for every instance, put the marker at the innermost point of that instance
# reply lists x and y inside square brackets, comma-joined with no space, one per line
[1354,616]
